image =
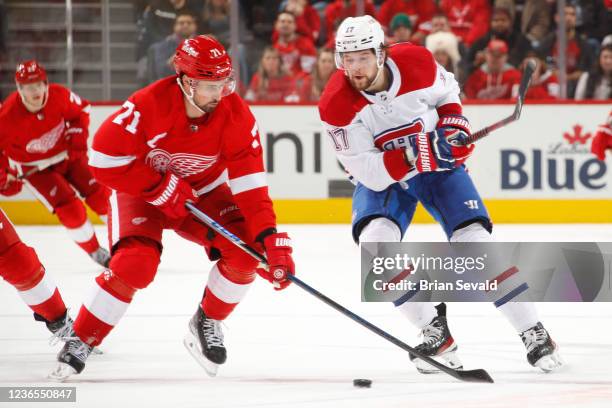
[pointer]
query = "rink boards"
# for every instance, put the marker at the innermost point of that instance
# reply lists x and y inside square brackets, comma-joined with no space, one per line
[538,169]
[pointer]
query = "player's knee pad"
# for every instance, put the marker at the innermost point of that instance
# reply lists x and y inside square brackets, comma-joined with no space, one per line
[474,232]
[20,266]
[135,262]
[72,214]
[380,230]
[242,276]
[237,262]
[98,199]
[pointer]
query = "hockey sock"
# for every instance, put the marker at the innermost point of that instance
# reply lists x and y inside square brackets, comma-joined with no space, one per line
[225,289]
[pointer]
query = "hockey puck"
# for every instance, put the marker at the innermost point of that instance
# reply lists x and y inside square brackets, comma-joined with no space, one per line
[362,383]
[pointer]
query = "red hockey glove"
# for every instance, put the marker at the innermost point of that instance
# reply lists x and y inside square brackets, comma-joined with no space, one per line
[278,250]
[602,141]
[10,185]
[432,151]
[457,130]
[170,196]
[77,142]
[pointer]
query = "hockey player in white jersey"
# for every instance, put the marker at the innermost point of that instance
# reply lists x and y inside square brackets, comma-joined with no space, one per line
[390,112]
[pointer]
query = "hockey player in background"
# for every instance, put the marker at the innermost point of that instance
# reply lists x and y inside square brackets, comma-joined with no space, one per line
[390,112]
[43,133]
[187,137]
[602,140]
[19,266]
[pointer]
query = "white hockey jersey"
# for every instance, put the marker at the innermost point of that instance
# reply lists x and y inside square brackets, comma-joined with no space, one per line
[368,131]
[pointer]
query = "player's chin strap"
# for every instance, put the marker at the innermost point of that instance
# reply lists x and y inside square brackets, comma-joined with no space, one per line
[29,106]
[189,95]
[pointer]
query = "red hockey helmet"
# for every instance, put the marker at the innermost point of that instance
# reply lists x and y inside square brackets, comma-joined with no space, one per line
[30,71]
[202,58]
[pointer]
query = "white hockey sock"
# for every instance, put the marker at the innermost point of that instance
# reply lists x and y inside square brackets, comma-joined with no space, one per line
[521,315]
[380,230]
[420,314]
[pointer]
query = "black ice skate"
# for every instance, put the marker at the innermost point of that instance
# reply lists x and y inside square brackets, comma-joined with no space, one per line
[204,341]
[71,359]
[101,257]
[437,343]
[542,351]
[61,328]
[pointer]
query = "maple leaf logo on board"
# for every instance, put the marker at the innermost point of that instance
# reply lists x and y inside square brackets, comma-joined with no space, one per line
[577,137]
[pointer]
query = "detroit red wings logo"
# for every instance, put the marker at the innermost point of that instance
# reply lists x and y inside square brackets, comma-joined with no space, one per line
[181,164]
[47,141]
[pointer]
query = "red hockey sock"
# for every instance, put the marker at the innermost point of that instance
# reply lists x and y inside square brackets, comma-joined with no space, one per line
[224,290]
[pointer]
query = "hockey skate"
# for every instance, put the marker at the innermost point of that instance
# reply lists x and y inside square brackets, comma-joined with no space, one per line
[61,328]
[542,351]
[204,341]
[101,257]
[438,343]
[71,359]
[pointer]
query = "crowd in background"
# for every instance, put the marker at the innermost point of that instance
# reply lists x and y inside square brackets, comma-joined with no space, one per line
[285,47]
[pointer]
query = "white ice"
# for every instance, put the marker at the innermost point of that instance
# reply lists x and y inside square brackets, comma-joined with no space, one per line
[287,349]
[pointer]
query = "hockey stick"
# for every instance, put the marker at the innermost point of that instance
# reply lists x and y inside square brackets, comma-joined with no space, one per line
[478,375]
[530,66]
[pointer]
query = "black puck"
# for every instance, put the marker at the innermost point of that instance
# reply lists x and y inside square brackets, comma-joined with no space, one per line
[362,383]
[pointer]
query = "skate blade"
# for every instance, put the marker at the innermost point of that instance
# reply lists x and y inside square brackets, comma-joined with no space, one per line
[96,351]
[550,363]
[449,359]
[61,372]
[193,346]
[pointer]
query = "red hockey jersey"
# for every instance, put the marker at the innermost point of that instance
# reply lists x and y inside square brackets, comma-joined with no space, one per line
[41,139]
[151,134]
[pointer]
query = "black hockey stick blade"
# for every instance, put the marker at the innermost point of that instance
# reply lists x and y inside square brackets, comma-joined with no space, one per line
[530,66]
[468,376]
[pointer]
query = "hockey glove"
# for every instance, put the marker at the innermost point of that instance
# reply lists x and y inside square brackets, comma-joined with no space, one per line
[170,196]
[77,142]
[10,185]
[602,141]
[278,250]
[457,130]
[432,152]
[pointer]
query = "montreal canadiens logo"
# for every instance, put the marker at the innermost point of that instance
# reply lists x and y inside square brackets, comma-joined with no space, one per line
[181,164]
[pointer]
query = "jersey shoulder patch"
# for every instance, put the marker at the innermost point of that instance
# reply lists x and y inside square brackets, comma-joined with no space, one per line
[416,64]
[340,102]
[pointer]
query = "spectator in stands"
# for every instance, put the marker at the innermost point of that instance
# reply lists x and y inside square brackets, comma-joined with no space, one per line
[593,20]
[157,23]
[272,82]
[544,82]
[338,10]
[311,86]
[597,83]
[419,11]
[533,16]
[298,52]
[501,29]
[439,23]
[445,49]
[469,19]
[400,28]
[578,53]
[495,79]
[161,54]
[307,19]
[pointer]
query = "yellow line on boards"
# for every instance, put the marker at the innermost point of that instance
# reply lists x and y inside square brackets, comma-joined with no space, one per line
[338,211]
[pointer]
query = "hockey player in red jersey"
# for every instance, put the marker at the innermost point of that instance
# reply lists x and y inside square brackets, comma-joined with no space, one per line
[43,133]
[392,114]
[602,141]
[20,267]
[185,137]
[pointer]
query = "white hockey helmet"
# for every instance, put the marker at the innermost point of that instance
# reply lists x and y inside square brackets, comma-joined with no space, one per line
[359,33]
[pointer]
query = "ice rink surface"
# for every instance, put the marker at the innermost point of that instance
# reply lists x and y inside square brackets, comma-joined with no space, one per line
[287,349]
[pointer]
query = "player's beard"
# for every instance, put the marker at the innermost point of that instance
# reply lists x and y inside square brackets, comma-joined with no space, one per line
[210,106]
[362,83]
